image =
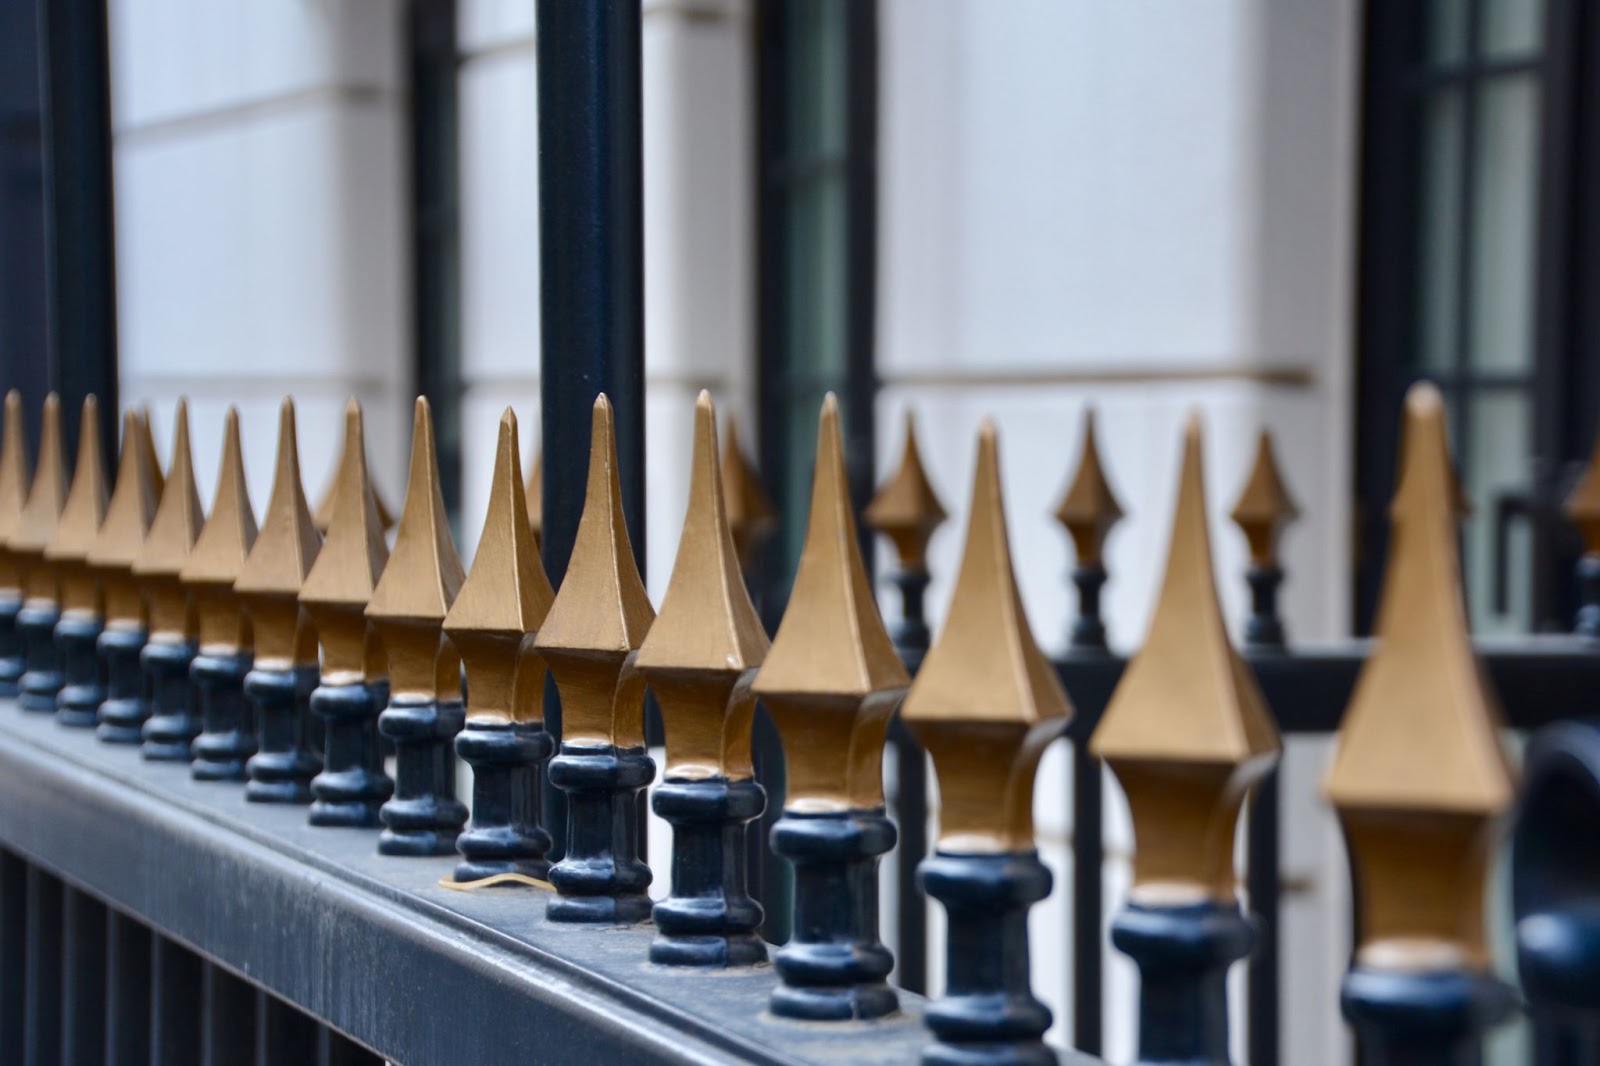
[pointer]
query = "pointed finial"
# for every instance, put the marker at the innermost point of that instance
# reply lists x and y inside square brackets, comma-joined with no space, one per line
[13,468]
[832,678]
[41,513]
[421,580]
[986,702]
[322,513]
[602,611]
[1582,506]
[172,534]
[1265,507]
[127,520]
[1089,507]
[707,634]
[352,558]
[533,492]
[906,509]
[1186,731]
[81,516]
[269,581]
[150,451]
[221,548]
[1420,776]
[750,513]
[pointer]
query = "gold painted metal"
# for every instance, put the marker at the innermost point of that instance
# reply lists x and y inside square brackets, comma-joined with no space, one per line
[1186,732]
[340,582]
[217,557]
[13,490]
[533,492]
[166,546]
[906,509]
[1265,508]
[751,515]
[1582,506]
[412,598]
[322,513]
[1089,508]
[127,520]
[1420,777]
[504,600]
[269,581]
[41,513]
[79,526]
[986,702]
[832,678]
[601,614]
[150,452]
[702,652]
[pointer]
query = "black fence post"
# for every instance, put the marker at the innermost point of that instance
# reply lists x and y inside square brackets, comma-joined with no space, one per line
[41,600]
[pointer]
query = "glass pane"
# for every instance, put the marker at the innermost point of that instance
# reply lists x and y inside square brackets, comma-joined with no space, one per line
[1444,34]
[1498,461]
[1439,230]
[1512,28]
[1504,215]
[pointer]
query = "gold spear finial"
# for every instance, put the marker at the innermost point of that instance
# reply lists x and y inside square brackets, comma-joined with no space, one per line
[13,468]
[906,509]
[751,516]
[602,612]
[219,551]
[986,702]
[150,451]
[352,558]
[166,547]
[504,599]
[1420,777]
[36,526]
[81,516]
[1582,506]
[269,581]
[533,492]
[1089,507]
[1186,731]
[322,513]
[127,519]
[1265,508]
[832,679]
[409,603]
[706,643]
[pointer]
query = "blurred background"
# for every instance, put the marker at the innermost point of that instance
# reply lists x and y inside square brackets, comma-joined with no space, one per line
[1278,211]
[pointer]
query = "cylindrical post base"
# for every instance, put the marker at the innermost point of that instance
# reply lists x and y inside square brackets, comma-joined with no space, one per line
[1088,629]
[124,710]
[988,1016]
[505,836]
[83,686]
[169,732]
[352,784]
[11,659]
[228,727]
[41,674]
[709,919]
[424,817]
[1264,628]
[1404,1018]
[834,967]
[603,877]
[1183,954]
[282,768]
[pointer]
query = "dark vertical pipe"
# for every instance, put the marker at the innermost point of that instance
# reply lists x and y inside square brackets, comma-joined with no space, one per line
[336,1049]
[13,954]
[24,357]
[284,1036]
[1088,903]
[127,991]
[42,989]
[227,1018]
[1262,881]
[174,1011]
[83,980]
[591,274]
[79,261]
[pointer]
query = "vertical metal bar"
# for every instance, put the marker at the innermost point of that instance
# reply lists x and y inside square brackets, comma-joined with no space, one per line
[79,259]
[1262,881]
[175,1011]
[227,1018]
[336,1049]
[42,991]
[13,954]
[591,273]
[284,1036]
[83,979]
[127,991]
[1088,904]
[24,355]
[911,818]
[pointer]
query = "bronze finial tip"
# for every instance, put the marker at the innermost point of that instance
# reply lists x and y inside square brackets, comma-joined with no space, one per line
[322,514]
[288,542]
[1265,507]
[225,540]
[750,513]
[424,572]
[132,503]
[1089,508]
[1582,506]
[85,506]
[906,509]
[47,494]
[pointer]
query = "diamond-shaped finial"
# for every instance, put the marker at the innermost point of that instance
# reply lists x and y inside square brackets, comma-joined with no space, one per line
[81,515]
[1264,508]
[270,580]
[1089,507]
[986,702]
[41,512]
[750,513]
[221,548]
[127,520]
[322,513]
[1582,506]
[13,470]
[160,474]
[1420,778]
[906,509]
[172,534]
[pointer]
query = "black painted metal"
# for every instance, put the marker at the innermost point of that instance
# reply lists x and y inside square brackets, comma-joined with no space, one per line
[336,1049]
[591,274]
[24,353]
[42,986]
[910,800]
[603,876]
[1088,629]
[988,1016]
[175,990]
[284,764]
[1263,881]
[1587,623]
[709,919]
[123,712]
[424,816]
[83,979]
[1183,954]
[13,954]
[127,1009]
[283,1034]
[12,660]
[227,736]
[834,967]
[352,785]
[83,683]
[506,836]
[1263,628]
[168,733]
[1404,1018]
[41,672]
[227,1018]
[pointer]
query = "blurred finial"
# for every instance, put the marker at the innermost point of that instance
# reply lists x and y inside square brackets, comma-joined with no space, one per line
[172,534]
[533,492]
[1089,508]
[322,513]
[160,477]
[127,520]
[1582,507]
[81,516]
[1264,508]
[270,580]
[750,512]
[13,468]
[220,549]
[906,509]
[41,511]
